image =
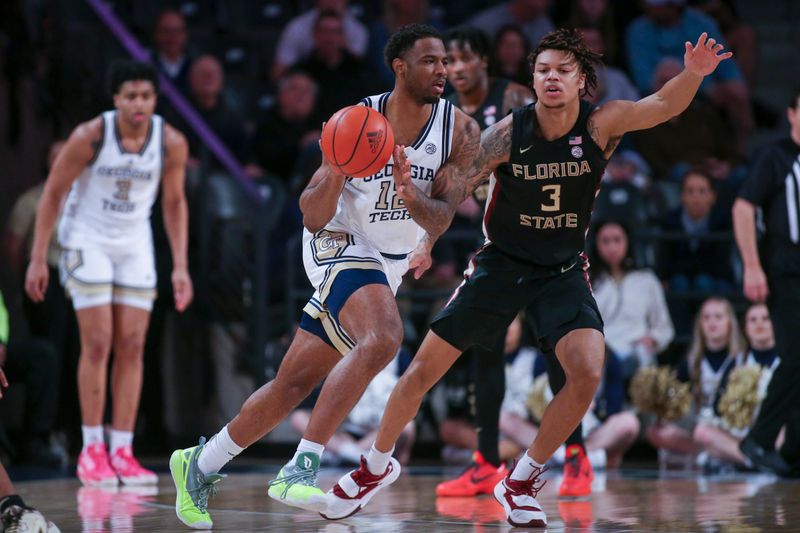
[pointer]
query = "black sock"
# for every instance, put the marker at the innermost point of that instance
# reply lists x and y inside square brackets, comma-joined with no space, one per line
[8,501]
[490,387]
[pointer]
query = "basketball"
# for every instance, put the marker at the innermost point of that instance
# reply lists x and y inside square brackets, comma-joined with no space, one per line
[358,141]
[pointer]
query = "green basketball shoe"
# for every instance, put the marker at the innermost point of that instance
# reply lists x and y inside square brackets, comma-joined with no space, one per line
[193,488]
[296,484]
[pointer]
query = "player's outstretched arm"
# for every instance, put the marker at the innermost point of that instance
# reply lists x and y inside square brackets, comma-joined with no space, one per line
[78,151]
[319,199]
[618,117]
[176,213]
[435,212]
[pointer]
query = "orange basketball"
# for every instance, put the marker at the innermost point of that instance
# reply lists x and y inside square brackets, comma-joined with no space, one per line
[358,141]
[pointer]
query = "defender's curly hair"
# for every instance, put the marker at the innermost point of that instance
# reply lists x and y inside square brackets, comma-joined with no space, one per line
[569,40]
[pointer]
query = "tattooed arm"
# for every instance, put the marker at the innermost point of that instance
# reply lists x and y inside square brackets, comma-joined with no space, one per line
[494,149]
[434,213]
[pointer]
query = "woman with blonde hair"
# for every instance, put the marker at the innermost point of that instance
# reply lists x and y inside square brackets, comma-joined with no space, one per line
[722,443]
[716,345]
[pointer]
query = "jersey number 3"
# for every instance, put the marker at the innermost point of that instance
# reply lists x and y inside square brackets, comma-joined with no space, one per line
[383,198]
[555,196]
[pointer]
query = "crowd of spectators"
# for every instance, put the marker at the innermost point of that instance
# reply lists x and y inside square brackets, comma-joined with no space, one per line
[661,242]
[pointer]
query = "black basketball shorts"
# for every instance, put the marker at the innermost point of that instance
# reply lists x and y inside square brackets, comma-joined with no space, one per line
[497,287]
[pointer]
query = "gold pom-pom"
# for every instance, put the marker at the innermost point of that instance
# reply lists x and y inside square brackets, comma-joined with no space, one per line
[657,390]
[739,402]
[538,397]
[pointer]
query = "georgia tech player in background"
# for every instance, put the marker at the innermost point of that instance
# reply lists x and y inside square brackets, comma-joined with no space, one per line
[358,242]
[112,166]
[535,224]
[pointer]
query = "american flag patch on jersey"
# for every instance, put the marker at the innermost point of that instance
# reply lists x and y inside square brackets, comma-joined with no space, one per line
[575,139]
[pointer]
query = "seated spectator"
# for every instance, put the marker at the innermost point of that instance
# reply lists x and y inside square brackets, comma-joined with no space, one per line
[636,321]
[716,347]
[288,127]
[608,430]
[662,32]
[722,444]
[33,363]
[396,14]
[529,15]
[509,57]
[356,435]
[695,262]
[612,83]
[49,318]
[206,87]
[698,137]
[295,46]
[170,56]
[342,77]
[623,195]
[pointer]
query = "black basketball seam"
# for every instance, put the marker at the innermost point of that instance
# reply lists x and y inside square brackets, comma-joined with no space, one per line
[358,137]
[333,139]
[379,152]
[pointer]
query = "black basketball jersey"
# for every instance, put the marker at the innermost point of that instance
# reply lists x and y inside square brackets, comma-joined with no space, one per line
[491,110]
[540,202]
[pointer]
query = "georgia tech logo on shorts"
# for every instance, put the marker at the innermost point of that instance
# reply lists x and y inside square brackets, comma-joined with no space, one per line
[329,244]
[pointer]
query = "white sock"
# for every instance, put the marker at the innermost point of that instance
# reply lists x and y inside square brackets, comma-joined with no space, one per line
[307,446]
[217,452]
[525,467]
[92,435]
[120,439]
[377,461]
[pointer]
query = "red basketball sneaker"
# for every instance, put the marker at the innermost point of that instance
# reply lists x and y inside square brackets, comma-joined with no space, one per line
[518,499]
[479,478]
[578,473]
[356,488]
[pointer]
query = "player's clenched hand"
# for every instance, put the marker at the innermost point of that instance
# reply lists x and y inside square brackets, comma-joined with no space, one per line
[401,173]
[182,288]
[420,260]
[36,279]
[704,57]
[755,284]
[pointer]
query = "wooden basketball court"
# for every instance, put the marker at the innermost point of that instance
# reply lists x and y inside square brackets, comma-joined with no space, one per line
[628,500]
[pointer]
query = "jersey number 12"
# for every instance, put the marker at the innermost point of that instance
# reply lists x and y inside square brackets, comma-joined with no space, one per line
[383,198]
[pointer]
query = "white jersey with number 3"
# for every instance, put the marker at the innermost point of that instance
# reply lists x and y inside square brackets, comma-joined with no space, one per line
[109,203]
[369,208]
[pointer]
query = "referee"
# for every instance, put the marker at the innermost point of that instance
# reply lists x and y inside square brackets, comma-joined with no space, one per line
[774,186]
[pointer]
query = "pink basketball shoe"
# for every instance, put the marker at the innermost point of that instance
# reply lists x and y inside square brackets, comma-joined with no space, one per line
[93,467]
[129,470]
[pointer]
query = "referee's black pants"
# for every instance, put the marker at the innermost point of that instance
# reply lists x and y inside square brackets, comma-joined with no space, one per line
[781,406]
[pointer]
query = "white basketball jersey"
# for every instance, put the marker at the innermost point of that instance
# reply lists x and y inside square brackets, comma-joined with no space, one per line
[370,208]
[109,203]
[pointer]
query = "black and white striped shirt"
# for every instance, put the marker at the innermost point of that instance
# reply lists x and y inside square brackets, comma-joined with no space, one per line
[774,185]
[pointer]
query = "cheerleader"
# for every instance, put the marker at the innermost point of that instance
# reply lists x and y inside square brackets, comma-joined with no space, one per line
[716,346]
[724,443]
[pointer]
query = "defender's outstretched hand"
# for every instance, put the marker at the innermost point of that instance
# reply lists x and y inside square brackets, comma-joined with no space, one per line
[704,57]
